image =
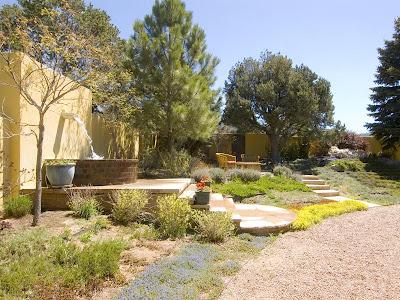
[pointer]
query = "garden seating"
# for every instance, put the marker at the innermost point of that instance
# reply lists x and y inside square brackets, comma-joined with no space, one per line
[227,161]
[250,158]
[223,159]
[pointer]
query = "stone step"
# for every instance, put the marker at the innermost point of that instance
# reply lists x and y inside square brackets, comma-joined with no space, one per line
[189,192]
[318,186]
[313,181]
[310,177]
[327,193]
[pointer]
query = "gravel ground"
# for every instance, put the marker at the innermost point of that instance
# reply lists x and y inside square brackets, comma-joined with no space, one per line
[354,256]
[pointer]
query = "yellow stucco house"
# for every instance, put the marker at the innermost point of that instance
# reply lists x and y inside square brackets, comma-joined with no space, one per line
[63,138]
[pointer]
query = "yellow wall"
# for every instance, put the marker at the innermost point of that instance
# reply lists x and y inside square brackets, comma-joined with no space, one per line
[63,137]
[257,144]
[114,140]
[10,107]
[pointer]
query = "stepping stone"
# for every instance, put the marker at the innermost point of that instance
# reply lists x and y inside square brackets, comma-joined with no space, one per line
[310,177]
[326,193]
[261,219]
[218,209]
[189,192]
[318,186]
[313,181]
[336,198]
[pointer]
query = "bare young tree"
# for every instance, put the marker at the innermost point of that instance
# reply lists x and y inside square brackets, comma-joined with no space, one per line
[56,61]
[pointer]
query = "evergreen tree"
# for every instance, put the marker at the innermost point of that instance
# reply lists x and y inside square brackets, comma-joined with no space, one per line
[386,95]
[174,73]
[270,95]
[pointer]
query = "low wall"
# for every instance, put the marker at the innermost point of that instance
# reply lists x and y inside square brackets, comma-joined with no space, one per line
[105,171]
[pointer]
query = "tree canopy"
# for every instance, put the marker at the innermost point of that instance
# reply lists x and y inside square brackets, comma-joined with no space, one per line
[61,41]
[271,95]
[386,95]
[174,74]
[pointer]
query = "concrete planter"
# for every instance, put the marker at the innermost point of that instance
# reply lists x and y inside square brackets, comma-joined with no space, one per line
[60,175]
[202,198]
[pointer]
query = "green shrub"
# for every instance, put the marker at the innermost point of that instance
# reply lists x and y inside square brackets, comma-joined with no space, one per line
[245,175]
[198,174]
[261,186]
[144,232]
[18,206]
[100,259]
[313,214]
[128,204]
[84,204]
[217,175]
[37,266]
[352,165]
[214,227]
[100,223]
[282,171]
[173,216]
[176,164]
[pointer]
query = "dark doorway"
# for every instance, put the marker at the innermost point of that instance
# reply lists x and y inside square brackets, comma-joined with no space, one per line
[238,146]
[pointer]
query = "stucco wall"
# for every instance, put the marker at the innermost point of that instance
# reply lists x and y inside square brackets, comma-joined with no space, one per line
[63,137]
[114,140]
[257,144]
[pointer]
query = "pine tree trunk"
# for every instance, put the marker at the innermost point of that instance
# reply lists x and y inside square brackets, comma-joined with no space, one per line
[39,161]
[170,138]
[275,149]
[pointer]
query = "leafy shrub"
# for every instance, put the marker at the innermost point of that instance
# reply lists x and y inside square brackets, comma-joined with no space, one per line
[173,216]
[198,174]
[214,227]
[217,175]
[144,232]
[282,171]
[149,159]
[37,266]
[313,214]
[99,224]
[347,165]
[245,175]
[176,163]
[352,141]
[18,206]
[261,186]
[100,259]
[84,204]
[128,204]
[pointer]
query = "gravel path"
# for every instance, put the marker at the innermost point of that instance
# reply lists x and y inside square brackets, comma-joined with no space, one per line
[354,256]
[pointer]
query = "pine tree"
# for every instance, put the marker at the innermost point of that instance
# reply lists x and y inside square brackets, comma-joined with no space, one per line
[175,73]
[271,95]
[386,95]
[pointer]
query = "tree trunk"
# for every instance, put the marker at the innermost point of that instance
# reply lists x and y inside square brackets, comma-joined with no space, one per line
[39,161]
[170,138]
[275,148]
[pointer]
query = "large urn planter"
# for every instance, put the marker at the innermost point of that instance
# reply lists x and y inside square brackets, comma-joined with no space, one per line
[60,173]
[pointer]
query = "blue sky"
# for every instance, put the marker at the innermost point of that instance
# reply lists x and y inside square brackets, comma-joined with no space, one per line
[338,39]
